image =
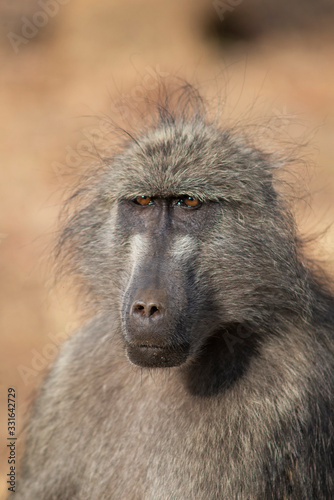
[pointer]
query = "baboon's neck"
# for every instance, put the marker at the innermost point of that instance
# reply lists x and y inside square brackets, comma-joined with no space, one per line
[224,359]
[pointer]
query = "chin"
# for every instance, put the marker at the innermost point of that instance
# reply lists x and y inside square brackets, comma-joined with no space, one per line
[152,356]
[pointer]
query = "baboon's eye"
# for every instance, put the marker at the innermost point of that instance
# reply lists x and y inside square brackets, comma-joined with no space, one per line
[143,200]
[189,202]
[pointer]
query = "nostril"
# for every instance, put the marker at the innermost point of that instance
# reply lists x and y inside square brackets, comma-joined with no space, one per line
[144,310]
[139,308]
[152,309]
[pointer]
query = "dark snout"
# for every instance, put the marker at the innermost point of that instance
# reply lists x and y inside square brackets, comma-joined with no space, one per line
[153,324]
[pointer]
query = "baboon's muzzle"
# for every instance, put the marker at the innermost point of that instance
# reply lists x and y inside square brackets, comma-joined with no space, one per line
[153,317]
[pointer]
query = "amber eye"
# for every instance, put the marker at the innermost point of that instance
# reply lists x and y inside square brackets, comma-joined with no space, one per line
[189,201]
[144,200]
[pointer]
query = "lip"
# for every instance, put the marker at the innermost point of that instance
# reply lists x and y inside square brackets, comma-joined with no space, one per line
[155,356]
[149,346]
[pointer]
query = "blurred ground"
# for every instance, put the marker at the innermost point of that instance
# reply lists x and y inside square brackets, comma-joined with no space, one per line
[64,59]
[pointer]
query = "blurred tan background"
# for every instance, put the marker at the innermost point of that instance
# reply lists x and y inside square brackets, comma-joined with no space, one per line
[64,60]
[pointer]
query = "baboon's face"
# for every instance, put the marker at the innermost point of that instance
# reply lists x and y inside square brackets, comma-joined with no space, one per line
[184,238]
[164,307]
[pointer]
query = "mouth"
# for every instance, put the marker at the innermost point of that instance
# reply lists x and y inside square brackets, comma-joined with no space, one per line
[155,356]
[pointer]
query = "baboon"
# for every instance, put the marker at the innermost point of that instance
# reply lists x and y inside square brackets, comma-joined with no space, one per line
[206,371]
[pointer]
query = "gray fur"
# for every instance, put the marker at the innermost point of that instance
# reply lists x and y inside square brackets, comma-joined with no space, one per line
[249,414]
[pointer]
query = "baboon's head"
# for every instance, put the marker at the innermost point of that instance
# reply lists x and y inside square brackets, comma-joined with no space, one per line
[183,235]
